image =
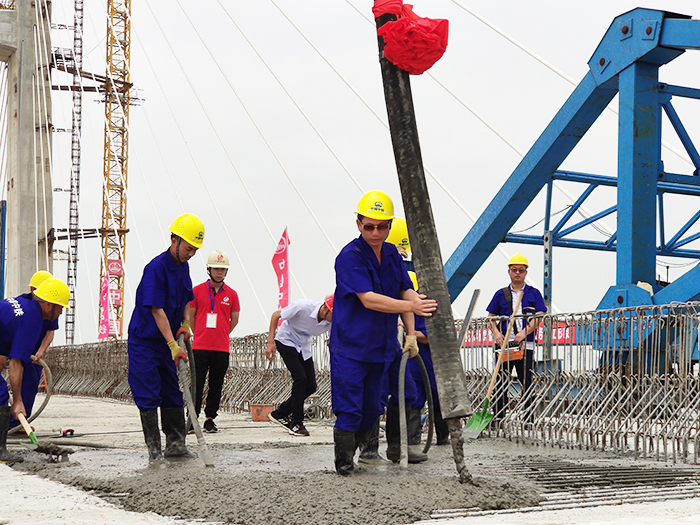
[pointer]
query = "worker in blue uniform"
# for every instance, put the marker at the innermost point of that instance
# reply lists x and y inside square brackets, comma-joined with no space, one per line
[162,309]
[523,332]
[372,288]
[21,322]
[442,431]
[32,371]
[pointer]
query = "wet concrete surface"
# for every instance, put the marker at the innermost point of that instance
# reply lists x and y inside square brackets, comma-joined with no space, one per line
[263,475]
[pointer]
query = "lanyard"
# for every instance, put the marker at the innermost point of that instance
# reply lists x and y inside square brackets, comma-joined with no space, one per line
[213,299]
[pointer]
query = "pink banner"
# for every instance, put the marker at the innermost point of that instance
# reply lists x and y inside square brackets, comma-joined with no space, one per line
[104,309]
[280,264]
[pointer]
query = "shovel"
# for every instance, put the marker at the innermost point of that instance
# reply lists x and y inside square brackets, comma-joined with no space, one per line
[182,370]
[480,420]
[55,451]
[28,430]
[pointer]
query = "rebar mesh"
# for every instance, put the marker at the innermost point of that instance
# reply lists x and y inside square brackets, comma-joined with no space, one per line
[622,380]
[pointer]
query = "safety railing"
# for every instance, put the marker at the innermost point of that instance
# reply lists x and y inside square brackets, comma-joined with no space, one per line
[621,380]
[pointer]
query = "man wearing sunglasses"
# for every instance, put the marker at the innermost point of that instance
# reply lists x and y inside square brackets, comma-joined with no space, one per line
[372,289]
[523,332]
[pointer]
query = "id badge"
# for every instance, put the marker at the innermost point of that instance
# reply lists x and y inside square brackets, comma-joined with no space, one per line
[211,320]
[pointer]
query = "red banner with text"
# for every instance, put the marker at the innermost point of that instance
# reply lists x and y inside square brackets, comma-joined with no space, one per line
[280,263]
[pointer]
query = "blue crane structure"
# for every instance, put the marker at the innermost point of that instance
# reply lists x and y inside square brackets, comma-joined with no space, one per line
[627,62]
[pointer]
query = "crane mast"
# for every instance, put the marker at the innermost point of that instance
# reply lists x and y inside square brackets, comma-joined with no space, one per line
[116,150]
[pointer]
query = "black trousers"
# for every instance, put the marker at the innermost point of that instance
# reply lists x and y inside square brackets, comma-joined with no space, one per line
[523,369]
[215,364]
[304,382]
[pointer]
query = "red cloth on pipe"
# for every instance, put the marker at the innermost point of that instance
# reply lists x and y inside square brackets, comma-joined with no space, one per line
[412,43]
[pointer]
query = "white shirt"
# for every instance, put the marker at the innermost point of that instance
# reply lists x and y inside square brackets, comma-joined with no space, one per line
[518,325]
[300,325]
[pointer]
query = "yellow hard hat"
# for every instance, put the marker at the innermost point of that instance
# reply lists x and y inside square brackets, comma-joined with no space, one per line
[53,291]
[414,280]
[518,258]
[189,228]
[376,205]
[217,259]
[398,234]
[38,278]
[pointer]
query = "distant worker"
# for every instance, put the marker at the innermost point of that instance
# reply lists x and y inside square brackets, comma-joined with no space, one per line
[522,333]
[302,320]
[442,432]
[161,314]
[372,288]
[21,323]
[215,309]
[33,370]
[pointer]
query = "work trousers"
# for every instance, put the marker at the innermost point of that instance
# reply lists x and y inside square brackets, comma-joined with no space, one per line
[214,363]
[152,375]
[356,392]
[31,377]
[523,369]
[410,389]
[303,382]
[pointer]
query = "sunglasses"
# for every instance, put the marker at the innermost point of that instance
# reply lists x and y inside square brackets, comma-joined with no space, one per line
[382,226]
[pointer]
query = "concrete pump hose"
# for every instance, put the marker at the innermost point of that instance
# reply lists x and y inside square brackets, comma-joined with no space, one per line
[49,391]
[402,408]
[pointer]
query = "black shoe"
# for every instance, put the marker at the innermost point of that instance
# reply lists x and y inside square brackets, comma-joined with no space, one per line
[298,430]
[279,419]
[210,426]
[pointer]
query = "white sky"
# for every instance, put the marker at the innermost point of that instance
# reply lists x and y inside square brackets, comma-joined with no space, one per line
[192,129]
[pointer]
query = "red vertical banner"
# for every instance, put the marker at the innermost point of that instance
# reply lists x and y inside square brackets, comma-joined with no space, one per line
[103,331]
[280,262]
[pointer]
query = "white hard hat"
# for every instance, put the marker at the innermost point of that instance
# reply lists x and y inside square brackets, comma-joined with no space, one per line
[217,259]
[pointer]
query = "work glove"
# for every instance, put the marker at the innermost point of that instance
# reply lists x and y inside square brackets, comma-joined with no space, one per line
[177,352]
[185,330]
[410,345]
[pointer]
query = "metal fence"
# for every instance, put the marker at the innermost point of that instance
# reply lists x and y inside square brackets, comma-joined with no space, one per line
[622,380]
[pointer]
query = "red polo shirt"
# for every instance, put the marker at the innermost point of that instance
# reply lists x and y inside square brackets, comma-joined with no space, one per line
[222,304]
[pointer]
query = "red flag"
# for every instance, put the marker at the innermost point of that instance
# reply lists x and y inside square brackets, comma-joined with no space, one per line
[280,263]
[104,307]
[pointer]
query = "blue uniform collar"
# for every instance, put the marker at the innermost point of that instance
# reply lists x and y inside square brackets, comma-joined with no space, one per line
[367,249]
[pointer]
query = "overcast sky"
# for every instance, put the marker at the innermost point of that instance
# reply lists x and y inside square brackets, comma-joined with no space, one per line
[262,115]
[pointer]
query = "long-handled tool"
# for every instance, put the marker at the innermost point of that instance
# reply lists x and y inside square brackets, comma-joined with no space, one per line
[55,451]
[480,420]
[182,371]
[30,433]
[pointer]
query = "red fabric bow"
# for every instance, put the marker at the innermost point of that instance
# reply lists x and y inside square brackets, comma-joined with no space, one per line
[412,43]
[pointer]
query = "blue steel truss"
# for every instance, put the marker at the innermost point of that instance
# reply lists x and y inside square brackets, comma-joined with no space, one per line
[627,62]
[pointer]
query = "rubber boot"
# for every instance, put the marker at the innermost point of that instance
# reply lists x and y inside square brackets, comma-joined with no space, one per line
[344,451]
[151,434]
[173,421]
[413,427]
[393,435]
[442,431]
[368,443]
[5,455]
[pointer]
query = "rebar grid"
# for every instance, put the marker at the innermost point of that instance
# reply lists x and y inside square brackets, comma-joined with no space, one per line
[623,380]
